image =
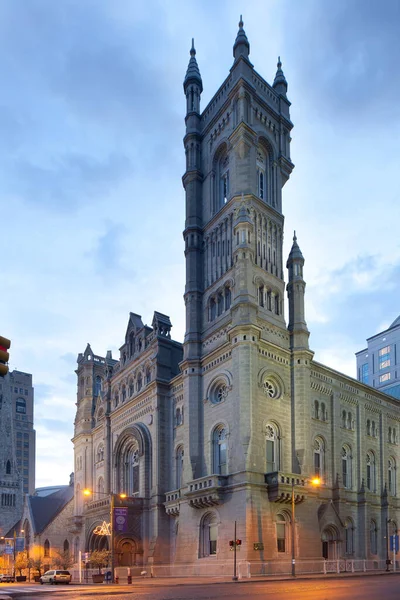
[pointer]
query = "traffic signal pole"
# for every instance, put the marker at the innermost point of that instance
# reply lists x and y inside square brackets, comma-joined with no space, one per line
[4,356]
[234,578]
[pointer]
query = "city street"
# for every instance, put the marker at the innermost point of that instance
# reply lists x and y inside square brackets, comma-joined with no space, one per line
[346,588]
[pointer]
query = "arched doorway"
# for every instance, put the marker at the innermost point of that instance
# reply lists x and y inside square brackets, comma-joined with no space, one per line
[126,553]
[330,543]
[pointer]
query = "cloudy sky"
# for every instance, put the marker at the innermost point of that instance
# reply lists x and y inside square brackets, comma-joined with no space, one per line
[91,159]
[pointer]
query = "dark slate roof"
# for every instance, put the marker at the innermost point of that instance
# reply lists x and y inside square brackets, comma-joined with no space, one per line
[44,509]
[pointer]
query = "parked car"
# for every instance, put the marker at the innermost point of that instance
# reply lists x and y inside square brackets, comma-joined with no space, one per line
[56,577]
[6,578]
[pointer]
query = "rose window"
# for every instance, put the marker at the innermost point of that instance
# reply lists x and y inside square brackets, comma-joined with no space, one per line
[270,389]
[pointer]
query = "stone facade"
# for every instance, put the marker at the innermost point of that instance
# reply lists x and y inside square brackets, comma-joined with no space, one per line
[233,423]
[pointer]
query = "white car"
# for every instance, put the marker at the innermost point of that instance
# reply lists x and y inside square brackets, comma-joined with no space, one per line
[56,577]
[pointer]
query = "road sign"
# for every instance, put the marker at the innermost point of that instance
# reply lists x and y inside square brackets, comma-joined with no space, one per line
[394,543]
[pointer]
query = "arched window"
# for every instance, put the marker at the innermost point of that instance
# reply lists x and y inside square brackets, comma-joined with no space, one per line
[373,429]
[371,472]
[390,435]
[373,537]
[46,548]
[347,467]
[227,298]
[97,386]
[282,530]
[368,427]
[272,440]
[349,420]
[66,546]
[148,375]
[261,174]
[344,416]
[220,448]
[349,530]
[316,409]
[392,483]
[78,499]
[178,417]
[139,382]
[100,486]
[324,416]
[123,393]
[179,466]
[277,308]
[131,344]
[116,399]
[131,387]
[261,295]
[20,406]
[212,310]
[8,468]
[208,535]
[128,468]
[319,457]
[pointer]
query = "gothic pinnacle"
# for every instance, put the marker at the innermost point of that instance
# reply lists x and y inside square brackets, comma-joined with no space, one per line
[280,83]
[242,46]
[193,71]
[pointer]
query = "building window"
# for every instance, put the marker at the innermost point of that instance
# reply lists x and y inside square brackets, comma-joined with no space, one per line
[344,418]
[66,546]
[384,377]
[319,455]
[261,295]
[373,537]
[371,473]
[179,466]
[384,357]
[349,530]
[346,467]
[100,486]
[20,406]
[364,373]
[224,188]
[8,468]
[349,420]
[227,298]
[128,468]
[368,427]
[97,386]
[281,533]
[209,535]
[213,309]
[392,476]
[272,448]
[46,548]
[220,451]
[148,375]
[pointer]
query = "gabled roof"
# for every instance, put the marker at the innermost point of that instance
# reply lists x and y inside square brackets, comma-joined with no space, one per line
[395,323]
[44,509]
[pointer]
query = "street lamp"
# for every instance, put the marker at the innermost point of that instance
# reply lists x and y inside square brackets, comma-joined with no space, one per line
[387,544]
[110,530]
[15,547]
[315,481]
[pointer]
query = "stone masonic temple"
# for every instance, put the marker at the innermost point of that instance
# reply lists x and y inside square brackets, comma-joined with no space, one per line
[233,424]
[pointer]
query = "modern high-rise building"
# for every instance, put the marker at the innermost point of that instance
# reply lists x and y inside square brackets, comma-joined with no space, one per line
[378,364]
[232,425]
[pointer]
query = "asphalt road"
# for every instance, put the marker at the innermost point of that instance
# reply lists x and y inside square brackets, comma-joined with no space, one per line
[383,587]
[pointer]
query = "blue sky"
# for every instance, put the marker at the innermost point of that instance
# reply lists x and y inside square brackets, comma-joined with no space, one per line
[91,159]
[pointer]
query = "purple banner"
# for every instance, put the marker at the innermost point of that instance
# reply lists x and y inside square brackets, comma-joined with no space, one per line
[120,519]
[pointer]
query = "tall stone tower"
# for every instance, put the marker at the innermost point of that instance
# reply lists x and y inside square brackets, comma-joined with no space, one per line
[237,349]
[11,492]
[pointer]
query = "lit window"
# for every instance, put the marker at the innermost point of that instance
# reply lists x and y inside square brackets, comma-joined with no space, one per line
[384,357]
[385,377]
[281,533]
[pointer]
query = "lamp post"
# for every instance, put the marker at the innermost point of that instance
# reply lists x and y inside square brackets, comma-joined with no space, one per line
[110,529]
[15,548]
[315,481]
[387,544]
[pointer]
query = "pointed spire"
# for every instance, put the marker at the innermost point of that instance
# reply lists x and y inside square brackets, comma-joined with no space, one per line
[242,46]
[280,83]
[295,252]
[193,71]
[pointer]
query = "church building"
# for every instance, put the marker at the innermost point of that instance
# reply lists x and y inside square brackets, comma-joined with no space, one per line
[233,424]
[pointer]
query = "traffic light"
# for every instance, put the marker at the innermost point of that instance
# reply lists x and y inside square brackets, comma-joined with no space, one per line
[4,356]
[231,543]
[238,542]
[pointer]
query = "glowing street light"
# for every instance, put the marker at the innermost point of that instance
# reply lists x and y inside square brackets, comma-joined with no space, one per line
[316,481]
[109,531]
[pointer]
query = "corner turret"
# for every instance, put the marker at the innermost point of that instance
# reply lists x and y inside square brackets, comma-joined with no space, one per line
[241,46]
[295,290]
[193,85]
[280,84]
